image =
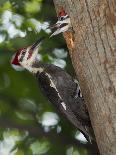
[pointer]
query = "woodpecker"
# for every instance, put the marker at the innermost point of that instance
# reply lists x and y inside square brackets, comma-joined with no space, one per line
[58,86]
[63,24]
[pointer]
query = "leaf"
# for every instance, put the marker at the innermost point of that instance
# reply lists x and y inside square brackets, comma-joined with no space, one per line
[32,7]
[39,148]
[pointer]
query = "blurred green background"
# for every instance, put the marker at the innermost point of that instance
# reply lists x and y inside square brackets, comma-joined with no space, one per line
[29,124]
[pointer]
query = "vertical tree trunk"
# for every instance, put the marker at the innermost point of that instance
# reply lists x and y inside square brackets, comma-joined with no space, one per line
[93,52]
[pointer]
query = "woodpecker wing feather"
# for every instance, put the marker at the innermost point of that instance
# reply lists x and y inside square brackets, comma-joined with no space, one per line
[52,94]
[60,88]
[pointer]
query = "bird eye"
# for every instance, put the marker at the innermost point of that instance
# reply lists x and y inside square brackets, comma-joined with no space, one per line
[61,18]
[23,53]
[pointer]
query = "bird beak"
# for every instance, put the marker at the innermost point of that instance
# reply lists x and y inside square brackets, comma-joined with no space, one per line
[56,25]
[59,29]
[55,33]
[37,43]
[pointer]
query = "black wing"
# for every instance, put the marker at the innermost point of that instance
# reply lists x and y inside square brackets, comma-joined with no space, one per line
[53,96]
[60,88]
[48,90]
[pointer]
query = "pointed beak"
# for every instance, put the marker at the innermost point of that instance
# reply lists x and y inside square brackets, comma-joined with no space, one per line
[37,43]
[56,25]
[59,29]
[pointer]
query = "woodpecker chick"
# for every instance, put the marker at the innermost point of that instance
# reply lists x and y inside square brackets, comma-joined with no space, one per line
[58,86]
[63,24]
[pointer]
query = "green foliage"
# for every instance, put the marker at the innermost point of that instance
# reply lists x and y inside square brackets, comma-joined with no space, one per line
[41,147]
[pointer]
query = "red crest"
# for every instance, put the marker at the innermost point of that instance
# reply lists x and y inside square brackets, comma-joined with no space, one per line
[62,12]
[15,60]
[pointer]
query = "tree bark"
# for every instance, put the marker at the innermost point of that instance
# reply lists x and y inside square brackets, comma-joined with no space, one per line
[92,48]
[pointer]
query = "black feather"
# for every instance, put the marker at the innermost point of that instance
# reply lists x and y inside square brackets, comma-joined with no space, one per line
[59,87]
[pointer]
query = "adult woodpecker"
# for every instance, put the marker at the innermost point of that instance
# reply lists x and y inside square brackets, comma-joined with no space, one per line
[59,87]
[63,24]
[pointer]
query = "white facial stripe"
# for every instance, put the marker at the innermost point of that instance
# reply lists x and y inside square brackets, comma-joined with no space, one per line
[53,85]
[35,70]
[60,30]
[63,17]
[26,63]
[66,16]
[67,20]
[25,54]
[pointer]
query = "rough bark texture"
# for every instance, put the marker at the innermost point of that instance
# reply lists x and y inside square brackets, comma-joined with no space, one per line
[93,52]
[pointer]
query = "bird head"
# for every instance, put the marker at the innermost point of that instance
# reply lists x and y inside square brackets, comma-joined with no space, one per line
[62,24]
[25,57]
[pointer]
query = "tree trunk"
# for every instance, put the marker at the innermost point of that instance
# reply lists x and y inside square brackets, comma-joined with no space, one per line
[92,47]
